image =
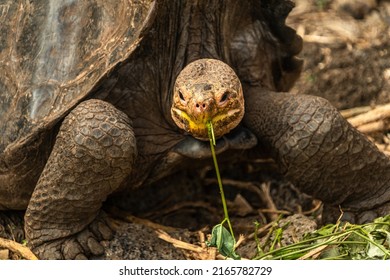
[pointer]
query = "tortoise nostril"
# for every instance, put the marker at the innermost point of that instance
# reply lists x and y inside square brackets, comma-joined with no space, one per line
[199,105]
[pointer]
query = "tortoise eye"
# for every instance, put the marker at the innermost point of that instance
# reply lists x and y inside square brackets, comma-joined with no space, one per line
[181,96]
[224,97]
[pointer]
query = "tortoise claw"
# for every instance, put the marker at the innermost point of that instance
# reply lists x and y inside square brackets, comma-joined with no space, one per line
[83,245]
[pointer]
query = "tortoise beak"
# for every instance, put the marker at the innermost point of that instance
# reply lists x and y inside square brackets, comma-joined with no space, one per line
[196,125]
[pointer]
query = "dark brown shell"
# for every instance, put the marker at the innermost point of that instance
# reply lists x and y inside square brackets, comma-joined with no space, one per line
[52,54]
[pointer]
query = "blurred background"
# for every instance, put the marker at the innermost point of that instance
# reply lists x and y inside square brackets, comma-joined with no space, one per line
[346,50]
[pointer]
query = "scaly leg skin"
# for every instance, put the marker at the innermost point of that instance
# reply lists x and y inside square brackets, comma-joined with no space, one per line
[93,153]
[321,153]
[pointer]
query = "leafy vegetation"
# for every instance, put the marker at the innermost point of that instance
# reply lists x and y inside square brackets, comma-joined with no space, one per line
[335,242]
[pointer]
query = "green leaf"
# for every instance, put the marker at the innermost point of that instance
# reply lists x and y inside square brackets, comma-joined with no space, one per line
[326,230]
[331,253]
[374,252]
[224,241]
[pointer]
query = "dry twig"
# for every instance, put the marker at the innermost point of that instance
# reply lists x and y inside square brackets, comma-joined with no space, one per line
[17,248]
[381,112]
[315,252]
[204,253]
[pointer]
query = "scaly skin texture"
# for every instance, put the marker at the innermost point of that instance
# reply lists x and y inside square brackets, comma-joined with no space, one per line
[321,153]
[93,153]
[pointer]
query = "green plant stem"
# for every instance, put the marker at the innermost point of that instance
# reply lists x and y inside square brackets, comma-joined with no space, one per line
[374,243]
[304,246]
[225,210]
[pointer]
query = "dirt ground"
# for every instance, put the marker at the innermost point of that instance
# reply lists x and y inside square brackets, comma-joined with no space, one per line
[347,61]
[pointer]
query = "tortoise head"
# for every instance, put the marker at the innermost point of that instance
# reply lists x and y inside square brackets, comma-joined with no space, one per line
[207,90]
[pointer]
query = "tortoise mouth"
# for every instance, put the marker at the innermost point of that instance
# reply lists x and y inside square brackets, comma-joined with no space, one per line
[223,122]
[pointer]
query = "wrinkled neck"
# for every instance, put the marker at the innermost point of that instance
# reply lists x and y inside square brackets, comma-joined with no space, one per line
[201,30]
[187,31]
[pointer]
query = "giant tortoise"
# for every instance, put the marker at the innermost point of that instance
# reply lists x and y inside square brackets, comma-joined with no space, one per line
[99,97]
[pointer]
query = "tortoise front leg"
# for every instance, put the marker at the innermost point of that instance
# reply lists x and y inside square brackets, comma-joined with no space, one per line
[321,153]
[93,153]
